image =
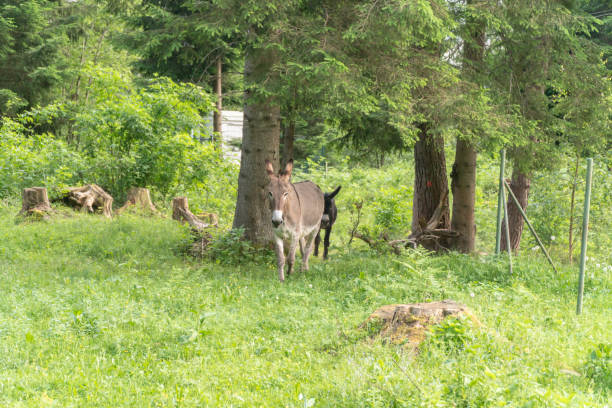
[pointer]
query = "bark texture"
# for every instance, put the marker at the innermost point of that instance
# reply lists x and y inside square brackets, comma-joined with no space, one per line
[90,198]
[139,198]
[217,121]
[260,141]
[463,186]
[288,139]
[430,182]
[519,185]
[463,176]
[35,201]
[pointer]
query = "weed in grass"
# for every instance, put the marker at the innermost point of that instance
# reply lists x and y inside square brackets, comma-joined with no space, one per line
[598,368]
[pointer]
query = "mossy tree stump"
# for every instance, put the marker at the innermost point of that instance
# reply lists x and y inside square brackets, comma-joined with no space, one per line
[408,324]
[140,198]
[35,202]
[90,198]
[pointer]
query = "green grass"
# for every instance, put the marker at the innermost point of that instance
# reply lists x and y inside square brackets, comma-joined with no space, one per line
[111,313]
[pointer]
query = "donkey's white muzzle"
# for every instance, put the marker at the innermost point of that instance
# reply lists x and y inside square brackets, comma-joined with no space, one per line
[277,218]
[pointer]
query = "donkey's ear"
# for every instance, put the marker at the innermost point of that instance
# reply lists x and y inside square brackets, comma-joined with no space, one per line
[269,168]
[333,193]
[287,170]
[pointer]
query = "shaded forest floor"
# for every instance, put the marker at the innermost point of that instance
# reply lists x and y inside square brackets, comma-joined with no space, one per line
[113,313]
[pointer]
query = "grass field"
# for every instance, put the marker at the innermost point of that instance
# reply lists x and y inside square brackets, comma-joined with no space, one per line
[99,313]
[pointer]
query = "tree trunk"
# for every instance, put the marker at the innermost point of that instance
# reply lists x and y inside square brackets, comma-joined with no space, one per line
[519,184]
[260,141]
[35,201]
[288,140]
[463,186]
[430,181]
[217,114]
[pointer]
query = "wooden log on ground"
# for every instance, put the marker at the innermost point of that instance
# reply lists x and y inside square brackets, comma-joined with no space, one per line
[181,213]
[426,234]
[35,201]
[140,198]
[408,324]
[90,198]
[210,218]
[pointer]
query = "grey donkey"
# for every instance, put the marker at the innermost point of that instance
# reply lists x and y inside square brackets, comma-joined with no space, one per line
[296,216]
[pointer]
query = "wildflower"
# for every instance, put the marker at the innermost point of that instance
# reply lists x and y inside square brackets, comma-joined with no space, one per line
[552,237]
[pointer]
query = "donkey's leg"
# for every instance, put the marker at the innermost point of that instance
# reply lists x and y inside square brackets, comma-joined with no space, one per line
[302,243]
[326,241]
[317,242]
[280,259]
[291,255]
[307,249]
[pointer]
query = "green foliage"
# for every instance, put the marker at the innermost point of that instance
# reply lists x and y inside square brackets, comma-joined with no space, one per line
[231,248]
[28,160]
[559,83]
[452,334]
[173,41]
[138,134]
[549,208]
[31,62]
[598,367]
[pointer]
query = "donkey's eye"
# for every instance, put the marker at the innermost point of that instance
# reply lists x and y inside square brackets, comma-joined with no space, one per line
[285,194]
[270,195]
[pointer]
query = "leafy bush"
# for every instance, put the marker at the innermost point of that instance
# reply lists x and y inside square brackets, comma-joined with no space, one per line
[230,248]
[134,133]
[28,160]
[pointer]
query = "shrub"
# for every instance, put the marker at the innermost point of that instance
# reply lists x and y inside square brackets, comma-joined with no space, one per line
[28,160]
[230,248]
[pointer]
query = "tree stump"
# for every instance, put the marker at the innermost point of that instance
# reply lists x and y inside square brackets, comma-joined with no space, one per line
[90,198]
[35,201]
[181,213]
[140,198]
[408,324]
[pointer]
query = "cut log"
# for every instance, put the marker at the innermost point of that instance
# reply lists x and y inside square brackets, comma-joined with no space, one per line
[408,324]
[140,198]
[90,198]
[35,201]
[211,218]
[181,213]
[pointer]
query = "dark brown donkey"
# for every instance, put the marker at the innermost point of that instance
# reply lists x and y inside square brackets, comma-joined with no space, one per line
[327,222]
[296,216]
